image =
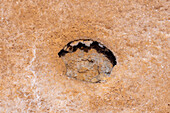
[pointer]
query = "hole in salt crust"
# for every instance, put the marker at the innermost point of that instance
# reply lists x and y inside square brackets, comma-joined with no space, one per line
[87,60]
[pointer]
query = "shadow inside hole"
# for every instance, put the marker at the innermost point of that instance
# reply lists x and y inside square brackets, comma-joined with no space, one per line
[87,60]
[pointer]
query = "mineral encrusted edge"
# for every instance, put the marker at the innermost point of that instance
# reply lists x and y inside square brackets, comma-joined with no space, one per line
[81,44]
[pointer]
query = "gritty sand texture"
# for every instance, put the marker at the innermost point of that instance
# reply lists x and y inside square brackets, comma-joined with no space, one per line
[32,75]
[88,66]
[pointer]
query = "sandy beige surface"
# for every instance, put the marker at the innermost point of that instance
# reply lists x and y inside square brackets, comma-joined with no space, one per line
[32,76]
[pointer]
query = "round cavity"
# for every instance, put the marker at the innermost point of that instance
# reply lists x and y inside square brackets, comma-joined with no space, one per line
[87,60]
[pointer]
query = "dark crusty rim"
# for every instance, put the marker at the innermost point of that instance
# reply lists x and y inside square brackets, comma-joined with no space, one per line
[81,44]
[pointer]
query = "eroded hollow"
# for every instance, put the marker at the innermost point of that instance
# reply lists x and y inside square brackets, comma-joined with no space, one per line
[87,60]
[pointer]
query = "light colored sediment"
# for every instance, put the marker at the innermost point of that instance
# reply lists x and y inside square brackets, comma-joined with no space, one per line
[88,66]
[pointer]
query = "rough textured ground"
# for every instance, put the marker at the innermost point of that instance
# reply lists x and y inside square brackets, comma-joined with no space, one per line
[88,66]
[31,73]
